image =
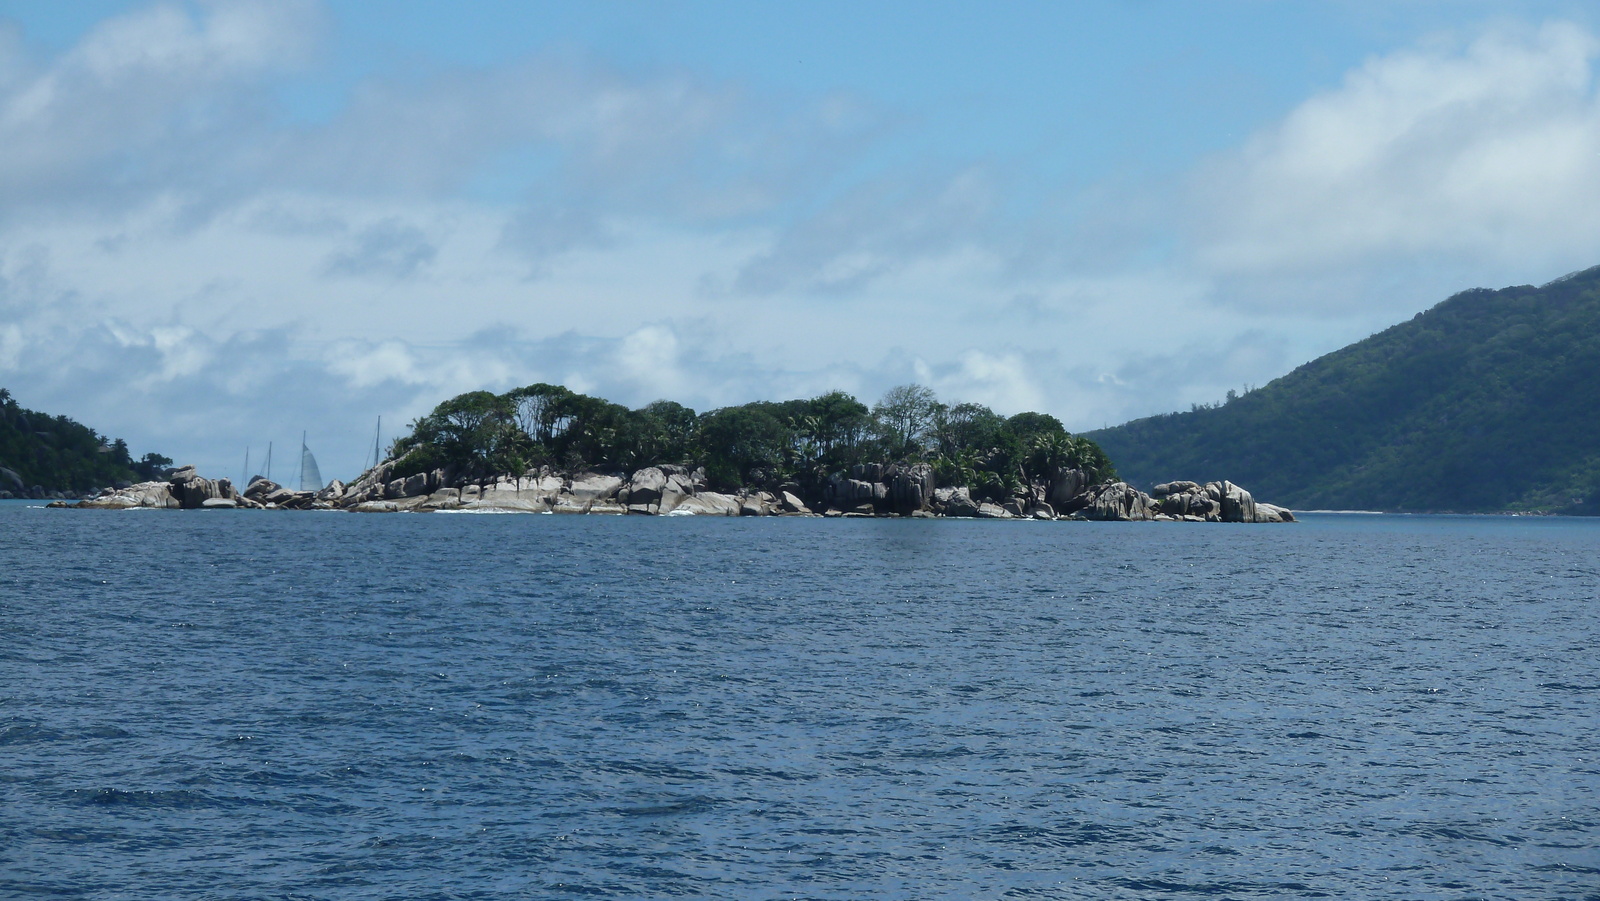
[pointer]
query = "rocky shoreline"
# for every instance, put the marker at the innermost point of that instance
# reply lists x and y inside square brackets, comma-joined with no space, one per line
[867,490]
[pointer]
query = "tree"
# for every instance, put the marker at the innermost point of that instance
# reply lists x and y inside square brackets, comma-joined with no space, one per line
[840,425]
[468,430]
[589,431]
[1053,451]
[906,412]
[742,444]
[965,427]
[536,410]
[673,429]
[1029,426]
[152,466]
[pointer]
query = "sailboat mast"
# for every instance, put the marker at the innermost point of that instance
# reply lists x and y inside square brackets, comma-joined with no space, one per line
[269,461]
[377,441]
[302,461]
[245,479]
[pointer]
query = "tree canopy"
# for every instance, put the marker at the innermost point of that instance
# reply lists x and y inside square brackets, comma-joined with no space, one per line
[764,443]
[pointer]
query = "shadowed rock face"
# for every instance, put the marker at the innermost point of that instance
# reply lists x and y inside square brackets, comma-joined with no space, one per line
[911,488]
[1065,489]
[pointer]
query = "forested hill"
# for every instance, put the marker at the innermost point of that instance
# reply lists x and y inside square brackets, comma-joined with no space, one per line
[1489,401]
[56,454]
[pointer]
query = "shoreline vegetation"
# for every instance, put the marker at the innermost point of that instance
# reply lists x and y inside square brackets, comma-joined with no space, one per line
[546,449]
[44,457]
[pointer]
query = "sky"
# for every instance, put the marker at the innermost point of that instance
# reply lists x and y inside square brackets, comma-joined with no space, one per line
[225,223]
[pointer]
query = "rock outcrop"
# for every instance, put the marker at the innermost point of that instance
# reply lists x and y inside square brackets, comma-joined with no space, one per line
[1066,489]
[1214,502]
[1118,502]
[910,488]
[866,490]
[156,495]
[192,492]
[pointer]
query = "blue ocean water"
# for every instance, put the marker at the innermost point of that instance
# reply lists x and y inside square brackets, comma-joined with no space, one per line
[287,706]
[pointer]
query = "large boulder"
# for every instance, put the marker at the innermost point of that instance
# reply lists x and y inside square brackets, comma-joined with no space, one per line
[511,495]
[588,488]
[681,485]
[260,487]
[192,491]
[1192,501]
[1066,488]
[960,503]
[144,494]
[1179,486]
[443,499]
[707,503]
[987,510]
[1236,503]
[910,488]
[1118,502]
[645,487]
[1272,513]
[867,472]
[845,493]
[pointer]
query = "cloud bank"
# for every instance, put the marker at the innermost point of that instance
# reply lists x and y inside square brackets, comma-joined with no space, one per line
[187,263]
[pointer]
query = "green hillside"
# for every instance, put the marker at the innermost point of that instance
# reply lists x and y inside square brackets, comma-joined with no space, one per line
[58,454]
[1490,401]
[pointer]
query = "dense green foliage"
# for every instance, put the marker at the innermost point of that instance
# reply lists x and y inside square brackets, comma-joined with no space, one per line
[763,444]
[58,454]
[1486,402]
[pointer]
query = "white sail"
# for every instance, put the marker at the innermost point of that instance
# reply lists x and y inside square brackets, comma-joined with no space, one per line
[310,475]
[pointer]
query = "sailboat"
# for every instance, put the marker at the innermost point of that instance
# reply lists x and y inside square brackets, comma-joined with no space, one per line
[310,475]
[377,436]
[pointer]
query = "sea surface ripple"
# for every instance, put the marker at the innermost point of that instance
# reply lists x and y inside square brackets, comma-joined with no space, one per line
[298,706]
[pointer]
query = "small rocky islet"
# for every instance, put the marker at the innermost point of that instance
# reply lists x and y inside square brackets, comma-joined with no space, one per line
[865,490]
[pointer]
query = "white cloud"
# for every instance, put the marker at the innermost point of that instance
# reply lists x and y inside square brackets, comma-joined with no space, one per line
[156,97]
[1449,153]
[649,357]
[1001,381]
[364,366]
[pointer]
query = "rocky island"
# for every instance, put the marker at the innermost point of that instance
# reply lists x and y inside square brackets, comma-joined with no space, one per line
[545,449]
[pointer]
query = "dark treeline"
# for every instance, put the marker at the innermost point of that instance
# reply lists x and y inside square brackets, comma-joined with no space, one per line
[757,445]
[55,453]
